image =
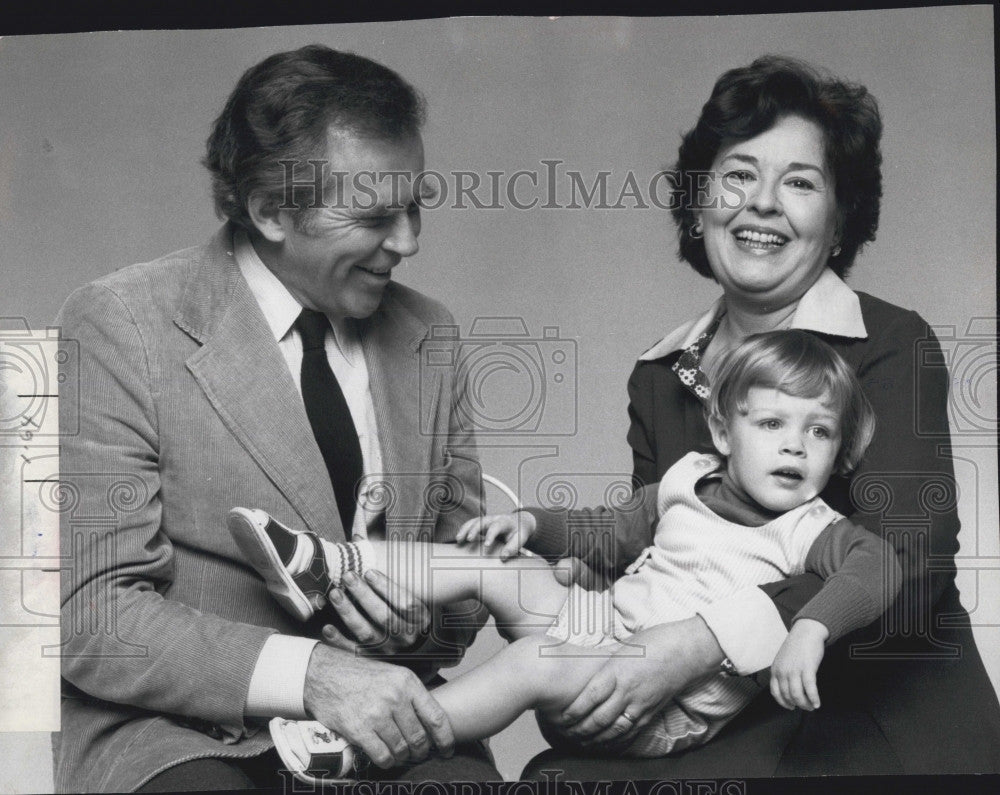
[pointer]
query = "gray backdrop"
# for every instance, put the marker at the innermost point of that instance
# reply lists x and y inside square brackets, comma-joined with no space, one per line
[101,134]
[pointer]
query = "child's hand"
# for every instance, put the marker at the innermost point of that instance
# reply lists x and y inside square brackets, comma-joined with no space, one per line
[514,529]
[793,673]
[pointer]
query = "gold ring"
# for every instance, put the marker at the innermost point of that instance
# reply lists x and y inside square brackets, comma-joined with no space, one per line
[628,717]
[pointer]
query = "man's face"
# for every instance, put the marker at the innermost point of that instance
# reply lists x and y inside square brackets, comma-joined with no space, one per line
[338,259]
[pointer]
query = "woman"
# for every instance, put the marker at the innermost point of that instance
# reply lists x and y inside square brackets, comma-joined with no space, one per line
[795,186]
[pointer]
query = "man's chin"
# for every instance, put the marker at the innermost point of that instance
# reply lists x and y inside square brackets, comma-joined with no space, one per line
[360,310]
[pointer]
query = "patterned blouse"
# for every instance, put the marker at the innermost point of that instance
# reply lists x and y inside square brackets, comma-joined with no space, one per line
[688,366]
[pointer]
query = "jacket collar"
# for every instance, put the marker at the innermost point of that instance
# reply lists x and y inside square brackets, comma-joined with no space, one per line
[244,376]
[214,285]
[828,307]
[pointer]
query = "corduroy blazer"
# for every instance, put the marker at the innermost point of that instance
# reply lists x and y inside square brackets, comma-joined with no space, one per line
[186,408]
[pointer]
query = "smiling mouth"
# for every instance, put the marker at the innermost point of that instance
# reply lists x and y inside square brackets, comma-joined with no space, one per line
[759,241]
[380,274]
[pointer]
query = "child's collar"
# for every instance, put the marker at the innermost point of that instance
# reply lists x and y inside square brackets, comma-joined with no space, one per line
[729,489]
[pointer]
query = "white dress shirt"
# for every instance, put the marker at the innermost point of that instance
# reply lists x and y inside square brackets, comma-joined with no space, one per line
[276,687]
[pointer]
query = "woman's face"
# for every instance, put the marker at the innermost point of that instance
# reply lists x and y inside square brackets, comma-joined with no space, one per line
[772,247]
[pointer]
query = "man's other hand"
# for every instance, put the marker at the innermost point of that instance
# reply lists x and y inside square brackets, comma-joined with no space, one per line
[382,709]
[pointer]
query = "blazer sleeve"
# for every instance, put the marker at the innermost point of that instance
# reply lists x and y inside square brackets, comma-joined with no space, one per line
[124,639]
[455,625]
[461,460]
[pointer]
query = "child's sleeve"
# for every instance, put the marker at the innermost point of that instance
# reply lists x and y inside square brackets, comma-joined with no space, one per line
[862,577]
[608,539]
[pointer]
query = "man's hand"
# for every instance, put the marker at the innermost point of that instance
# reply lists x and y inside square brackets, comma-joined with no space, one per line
[512,529]
[382,709]
[793,673]
[638,681]
[381,617]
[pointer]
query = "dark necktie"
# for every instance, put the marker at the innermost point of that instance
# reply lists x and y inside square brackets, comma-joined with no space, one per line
[329,416]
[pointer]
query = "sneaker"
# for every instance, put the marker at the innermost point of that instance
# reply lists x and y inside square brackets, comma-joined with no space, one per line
[271,547]
[312,752]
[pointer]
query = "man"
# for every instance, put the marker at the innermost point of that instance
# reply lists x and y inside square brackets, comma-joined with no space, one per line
[218,376]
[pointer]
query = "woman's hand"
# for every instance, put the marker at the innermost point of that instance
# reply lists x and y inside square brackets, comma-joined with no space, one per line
[569,571]
[793,673]
[513,529]
[638,681]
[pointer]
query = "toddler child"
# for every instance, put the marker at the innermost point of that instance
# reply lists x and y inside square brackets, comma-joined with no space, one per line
[785,414]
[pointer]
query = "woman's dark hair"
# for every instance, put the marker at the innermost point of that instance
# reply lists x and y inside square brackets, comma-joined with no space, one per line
[281,110]
[750,100]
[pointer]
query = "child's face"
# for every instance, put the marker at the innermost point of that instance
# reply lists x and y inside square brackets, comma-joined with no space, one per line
[783,450]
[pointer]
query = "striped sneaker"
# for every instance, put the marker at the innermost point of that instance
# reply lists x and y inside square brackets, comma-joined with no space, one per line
[275,551]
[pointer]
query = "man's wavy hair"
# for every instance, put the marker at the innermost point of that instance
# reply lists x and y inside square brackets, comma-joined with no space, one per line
[282,108]
[748,101]
[802,365]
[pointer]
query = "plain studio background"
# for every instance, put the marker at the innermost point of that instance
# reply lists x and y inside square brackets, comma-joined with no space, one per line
[101,134]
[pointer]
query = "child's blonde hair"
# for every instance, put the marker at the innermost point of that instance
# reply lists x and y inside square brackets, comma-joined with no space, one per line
[802,365]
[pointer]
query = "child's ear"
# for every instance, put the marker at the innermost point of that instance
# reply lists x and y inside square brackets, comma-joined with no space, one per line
[720,436]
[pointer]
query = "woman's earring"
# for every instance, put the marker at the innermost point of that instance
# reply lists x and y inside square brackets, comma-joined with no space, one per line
[696,231]
[835,252]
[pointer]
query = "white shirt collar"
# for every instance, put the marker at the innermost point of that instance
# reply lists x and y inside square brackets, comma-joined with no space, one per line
[829,307]
[279,306]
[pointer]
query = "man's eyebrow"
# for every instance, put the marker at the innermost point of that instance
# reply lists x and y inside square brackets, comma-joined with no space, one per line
[364,208]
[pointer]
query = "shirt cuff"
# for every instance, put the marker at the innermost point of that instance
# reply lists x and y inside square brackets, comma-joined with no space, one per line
[278,683]
[748,627]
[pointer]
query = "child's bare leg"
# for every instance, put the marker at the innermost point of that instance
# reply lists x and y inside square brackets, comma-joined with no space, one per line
[536,672]
[522,594]
[300,569]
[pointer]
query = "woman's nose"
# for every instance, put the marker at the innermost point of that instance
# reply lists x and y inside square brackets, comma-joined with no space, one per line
[764,199]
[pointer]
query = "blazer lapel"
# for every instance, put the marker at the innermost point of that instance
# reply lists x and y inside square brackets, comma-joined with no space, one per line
[405,396]
[245,378]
